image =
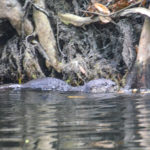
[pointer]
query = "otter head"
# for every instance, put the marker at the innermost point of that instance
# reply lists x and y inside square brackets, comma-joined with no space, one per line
[100,86]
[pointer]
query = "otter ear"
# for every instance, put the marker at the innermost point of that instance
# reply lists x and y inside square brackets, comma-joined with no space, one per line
[105,84]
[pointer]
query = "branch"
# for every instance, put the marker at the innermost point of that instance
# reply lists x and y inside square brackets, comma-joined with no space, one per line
[111,14]
[40,9]
[139,10]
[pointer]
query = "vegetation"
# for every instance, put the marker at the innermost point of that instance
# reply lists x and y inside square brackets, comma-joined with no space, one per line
[75,40]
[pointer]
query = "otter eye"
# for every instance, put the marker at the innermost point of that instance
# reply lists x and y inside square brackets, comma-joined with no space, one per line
[105,84]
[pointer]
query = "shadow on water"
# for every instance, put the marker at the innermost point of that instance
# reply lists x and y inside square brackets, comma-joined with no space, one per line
[40,120]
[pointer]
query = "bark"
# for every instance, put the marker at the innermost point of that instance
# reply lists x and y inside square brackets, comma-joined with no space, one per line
[46,35]
[140,73]
[12,10]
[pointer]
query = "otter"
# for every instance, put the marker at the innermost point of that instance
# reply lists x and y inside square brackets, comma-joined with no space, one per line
[95,86]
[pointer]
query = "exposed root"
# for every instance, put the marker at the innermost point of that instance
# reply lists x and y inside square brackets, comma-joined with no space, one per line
[140,73]
[94,51]
[12,10]
[46,36]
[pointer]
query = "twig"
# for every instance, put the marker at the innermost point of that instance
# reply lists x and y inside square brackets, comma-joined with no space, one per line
[26,4]
[40,9]
[111,14]
[58,41]
[31,3]
[140,10]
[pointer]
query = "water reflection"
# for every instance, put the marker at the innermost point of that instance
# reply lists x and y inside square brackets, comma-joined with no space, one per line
[36,120]
[143,109]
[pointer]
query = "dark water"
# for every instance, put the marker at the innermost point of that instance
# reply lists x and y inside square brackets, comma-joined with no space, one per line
[36,120]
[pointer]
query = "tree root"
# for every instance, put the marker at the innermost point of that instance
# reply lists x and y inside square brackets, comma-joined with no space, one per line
[46,36]
[140,73]
[11,10]
[88,53]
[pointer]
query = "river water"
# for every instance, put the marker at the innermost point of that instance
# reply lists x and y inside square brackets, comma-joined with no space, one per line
[43,120]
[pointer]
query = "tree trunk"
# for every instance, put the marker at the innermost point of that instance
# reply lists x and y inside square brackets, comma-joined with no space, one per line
[139,77]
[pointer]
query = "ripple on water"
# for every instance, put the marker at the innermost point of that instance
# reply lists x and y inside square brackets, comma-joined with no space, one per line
[37,120]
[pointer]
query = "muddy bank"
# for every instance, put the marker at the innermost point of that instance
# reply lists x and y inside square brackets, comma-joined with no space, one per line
[93,51]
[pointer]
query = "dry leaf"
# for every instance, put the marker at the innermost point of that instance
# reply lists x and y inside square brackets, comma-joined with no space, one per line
[134,90]
[104,10]
[136,49]
[76,20]
[120,5]
[91,9]
[82,70]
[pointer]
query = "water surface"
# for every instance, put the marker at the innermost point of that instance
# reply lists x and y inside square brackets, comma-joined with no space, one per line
[43,120]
